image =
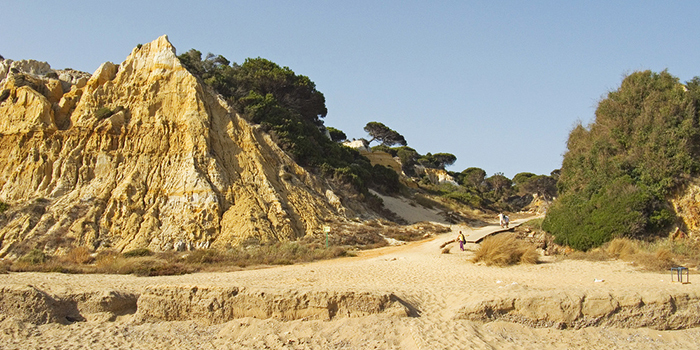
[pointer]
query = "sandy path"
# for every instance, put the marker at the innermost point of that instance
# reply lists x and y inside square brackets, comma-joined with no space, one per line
[435,284]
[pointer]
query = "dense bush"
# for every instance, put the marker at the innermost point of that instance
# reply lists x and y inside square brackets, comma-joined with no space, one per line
[336,134]
[618,171]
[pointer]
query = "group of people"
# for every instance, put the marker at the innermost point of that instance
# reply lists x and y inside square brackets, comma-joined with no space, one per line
[503,220]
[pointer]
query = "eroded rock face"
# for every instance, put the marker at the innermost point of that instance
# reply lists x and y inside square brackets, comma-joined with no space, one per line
[143,155]
[436,176]
[687,206]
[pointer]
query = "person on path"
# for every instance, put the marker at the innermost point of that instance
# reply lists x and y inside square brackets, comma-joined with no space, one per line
[506,219]
[461,240]
[502,220]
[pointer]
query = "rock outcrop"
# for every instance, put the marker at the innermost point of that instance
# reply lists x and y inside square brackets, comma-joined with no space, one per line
[436,176]
[383,159]
[142,154]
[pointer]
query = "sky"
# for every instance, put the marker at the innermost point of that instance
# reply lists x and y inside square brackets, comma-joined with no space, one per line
[499,84]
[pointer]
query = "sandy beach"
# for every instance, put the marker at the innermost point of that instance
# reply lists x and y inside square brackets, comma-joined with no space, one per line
[434,290]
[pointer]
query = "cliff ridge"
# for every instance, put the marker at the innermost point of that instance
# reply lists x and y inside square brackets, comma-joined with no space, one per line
[142,154]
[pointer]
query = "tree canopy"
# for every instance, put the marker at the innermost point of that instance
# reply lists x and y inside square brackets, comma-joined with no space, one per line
[499,183]
[521,178]
[336,135]
[437,160]
[384,134]
[618,172]
[473,176]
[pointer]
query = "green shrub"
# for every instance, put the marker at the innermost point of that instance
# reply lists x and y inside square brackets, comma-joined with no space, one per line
[386,180]
[384,148]
[34,257]
[204,256]
[465,197]
[138,252]
[618,210]
[534,224]
[617,172]
[103,113]
[3,207]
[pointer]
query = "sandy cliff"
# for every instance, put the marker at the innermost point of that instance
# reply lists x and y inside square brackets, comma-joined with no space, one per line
[686,206]
[142,155]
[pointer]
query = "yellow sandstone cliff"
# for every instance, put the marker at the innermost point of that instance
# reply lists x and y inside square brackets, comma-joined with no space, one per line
[143,155]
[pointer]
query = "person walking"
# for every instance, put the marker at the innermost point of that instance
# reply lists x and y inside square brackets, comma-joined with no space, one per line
[461,240]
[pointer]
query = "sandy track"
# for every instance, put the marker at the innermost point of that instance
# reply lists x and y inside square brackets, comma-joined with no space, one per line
[436,286]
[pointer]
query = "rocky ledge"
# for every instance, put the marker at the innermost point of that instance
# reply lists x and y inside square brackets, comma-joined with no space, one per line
[651,309]
[202,303]
[215,305]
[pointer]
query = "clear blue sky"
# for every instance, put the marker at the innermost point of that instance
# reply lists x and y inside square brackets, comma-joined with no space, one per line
[499,84]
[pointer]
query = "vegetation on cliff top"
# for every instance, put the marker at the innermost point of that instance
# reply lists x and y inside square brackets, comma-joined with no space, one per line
[619,171]
[290,108]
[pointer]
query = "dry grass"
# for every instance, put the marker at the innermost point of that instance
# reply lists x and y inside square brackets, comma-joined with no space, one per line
[5,266]
[622,248]
[591,255]
[371,234]
[143,262]
[425,201]
[281,253]
[79,255]
[505,250]
[344,237]
[415,232]
[659,255]
[144,266]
